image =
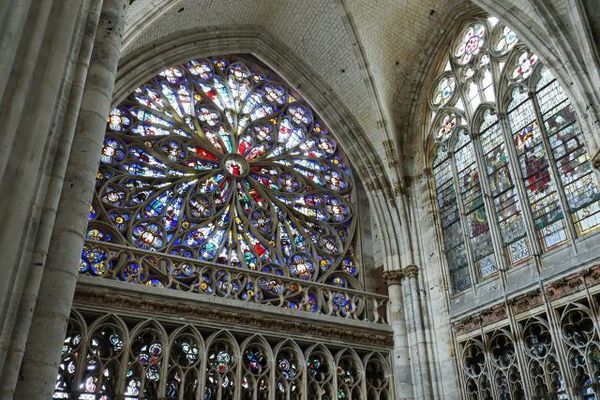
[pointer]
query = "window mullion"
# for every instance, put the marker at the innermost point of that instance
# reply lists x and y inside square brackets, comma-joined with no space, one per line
[489,206]
[513,166]
[462,215]
[487,352]
[556,175]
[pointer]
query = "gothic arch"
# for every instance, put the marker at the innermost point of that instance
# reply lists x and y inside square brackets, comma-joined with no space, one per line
[568,53]
[145,62]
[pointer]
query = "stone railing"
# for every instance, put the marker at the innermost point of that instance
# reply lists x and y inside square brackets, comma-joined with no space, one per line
[121,263]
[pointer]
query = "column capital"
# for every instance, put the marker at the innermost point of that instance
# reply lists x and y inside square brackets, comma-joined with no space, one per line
[411,271]
[393,277]
[596,160]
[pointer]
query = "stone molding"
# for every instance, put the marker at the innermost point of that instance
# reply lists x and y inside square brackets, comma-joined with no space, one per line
[527,301]
[493,314]
[467,324]
[88,297]
[579,282]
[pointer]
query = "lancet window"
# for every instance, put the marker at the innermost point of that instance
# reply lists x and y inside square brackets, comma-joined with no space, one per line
[511,173]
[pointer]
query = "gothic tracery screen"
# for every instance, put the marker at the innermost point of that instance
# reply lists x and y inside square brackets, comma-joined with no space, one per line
[503,125]
[111,357]
[217,160]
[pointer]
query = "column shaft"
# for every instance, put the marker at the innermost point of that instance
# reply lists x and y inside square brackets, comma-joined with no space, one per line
[39,70]
[35,254]
[401,357]
[42,355]
[422,361]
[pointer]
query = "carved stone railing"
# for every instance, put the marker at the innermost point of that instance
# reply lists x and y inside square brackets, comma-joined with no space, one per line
[121,263]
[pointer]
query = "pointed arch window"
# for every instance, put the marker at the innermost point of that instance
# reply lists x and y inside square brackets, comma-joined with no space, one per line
[511,172]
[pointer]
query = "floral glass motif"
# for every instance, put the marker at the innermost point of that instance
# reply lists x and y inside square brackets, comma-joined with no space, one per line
[288,373]
[145,363]
[533,161]
[524,66]
[505,39]
[221,372]
[221,361]
[218,160]
[185,355]
[320,373]
[447,125]
[348,377]
[444,91]
[470,44]
[255,383]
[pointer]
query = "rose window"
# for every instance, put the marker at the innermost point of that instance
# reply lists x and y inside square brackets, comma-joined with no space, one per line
[471,43]
[218,160]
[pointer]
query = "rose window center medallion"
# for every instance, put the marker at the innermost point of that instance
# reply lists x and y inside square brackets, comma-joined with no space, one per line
[236,165]
[218,160]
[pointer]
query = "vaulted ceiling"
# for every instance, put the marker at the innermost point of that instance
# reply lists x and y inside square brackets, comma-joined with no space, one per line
[373,54]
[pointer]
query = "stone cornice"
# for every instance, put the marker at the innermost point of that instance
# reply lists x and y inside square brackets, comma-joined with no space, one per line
[586,279]
[395,277]
[89,297]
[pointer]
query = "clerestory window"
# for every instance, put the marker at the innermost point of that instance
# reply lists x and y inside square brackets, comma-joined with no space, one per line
[511,172]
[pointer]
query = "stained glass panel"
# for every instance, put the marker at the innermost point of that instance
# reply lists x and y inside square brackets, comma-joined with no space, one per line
[579,181]
[539,182]
[444,91]
[552,181]
[503,39]
[471,43]
[476,216]
[506,199]
[523,66]
[451,226]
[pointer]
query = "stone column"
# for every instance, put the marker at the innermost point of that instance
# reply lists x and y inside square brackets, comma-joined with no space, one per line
[422,363]
[401,358]
[35,254]
[37,40]
[40,364]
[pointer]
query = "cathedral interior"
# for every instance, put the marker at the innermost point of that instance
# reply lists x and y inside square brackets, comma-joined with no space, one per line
[300,199]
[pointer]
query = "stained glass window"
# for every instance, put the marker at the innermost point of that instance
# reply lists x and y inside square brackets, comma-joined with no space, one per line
[219,160]
[521,170]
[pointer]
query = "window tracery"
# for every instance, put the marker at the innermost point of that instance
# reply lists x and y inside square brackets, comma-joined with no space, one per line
[218,160]
[108,356]
[502,124]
